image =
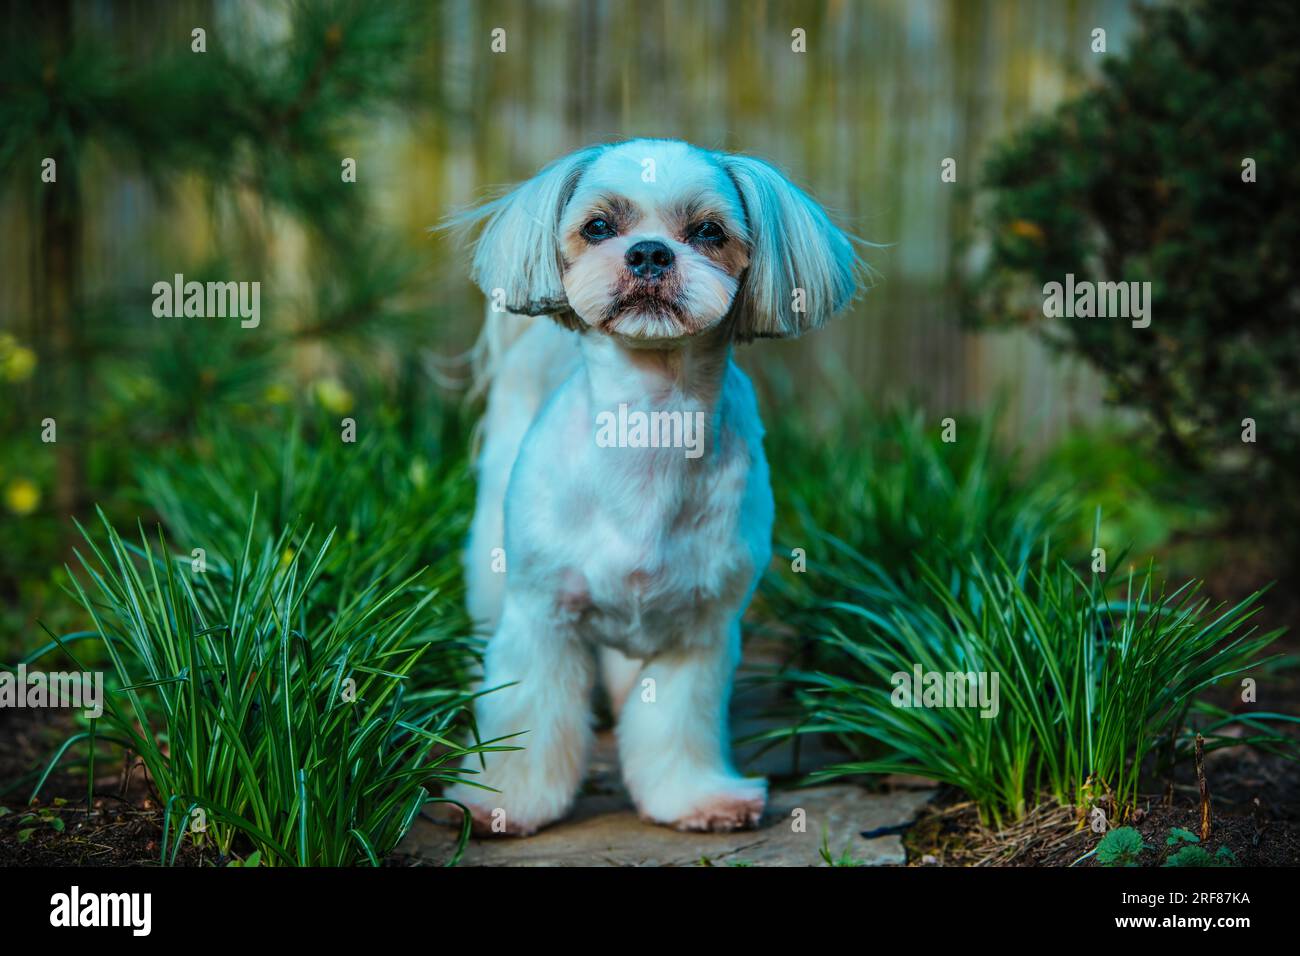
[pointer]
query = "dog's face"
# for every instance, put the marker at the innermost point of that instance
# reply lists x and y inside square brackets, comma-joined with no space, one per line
[656,241]
[653,242]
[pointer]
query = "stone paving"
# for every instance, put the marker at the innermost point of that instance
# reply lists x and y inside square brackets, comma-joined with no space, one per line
[604,830]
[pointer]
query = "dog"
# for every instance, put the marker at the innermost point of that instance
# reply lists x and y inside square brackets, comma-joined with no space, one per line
[601,544]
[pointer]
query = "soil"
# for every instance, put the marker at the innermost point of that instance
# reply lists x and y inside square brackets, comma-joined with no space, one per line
[950,834]
[1254,813]
[122,827]
[109,835]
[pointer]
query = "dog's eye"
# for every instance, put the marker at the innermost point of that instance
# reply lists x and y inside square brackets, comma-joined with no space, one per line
[598,229]
[707,231]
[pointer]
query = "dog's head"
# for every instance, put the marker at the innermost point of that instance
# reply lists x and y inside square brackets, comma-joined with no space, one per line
[655,241]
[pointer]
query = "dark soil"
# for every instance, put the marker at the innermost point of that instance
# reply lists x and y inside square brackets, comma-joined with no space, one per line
[110,835]
[1254,813]
[123,826]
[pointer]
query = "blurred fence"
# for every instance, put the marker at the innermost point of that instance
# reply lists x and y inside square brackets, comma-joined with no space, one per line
[886,90]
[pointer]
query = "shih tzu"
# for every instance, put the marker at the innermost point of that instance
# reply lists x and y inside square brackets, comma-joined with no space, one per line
[624,512]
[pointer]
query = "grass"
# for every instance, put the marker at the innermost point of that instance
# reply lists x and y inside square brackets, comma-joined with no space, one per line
[400,498]
[955,557]
[1094,676]
[892,489]
[264,710]
[296,697]
[304,692]
[400,494]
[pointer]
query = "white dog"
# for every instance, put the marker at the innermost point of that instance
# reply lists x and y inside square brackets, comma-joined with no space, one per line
[623,505]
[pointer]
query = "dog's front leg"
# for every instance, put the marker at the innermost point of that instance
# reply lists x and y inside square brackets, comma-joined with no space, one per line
[674,743]
[551,674]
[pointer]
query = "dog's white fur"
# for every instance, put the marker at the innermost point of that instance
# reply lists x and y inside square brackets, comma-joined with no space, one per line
[643,557]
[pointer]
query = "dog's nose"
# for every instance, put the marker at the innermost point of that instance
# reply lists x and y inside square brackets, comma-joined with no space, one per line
[649,259]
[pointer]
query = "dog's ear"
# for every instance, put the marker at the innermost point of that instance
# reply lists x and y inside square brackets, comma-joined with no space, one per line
[802,267]
[517,255]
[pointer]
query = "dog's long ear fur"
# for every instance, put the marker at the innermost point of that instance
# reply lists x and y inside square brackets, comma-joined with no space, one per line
[518,250]
[795,246]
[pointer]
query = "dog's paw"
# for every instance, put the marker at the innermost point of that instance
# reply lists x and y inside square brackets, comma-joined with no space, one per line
[487,817]
[738,806]
[722,815]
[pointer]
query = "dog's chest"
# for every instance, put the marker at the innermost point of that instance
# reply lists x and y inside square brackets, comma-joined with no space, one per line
[662,561]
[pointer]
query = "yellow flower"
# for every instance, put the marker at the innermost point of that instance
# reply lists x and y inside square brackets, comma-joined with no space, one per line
[419,471]
[332,396]
[22,496]
[286,557]
[277,394]
[16,361]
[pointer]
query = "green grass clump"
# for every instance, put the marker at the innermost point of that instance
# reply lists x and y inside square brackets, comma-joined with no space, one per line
[400,494]
[953,557]
[399,497]
[890,488]
[1093,674]
[270,705]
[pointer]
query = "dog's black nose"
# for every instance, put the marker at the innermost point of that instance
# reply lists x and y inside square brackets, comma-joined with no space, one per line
[649,259]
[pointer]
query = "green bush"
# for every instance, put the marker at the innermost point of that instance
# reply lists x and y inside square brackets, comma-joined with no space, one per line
[229,681]
[267,706]
[954,556]
[1144,502]
[400,496]
[888,487]
[1141,179]
[1093,676]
